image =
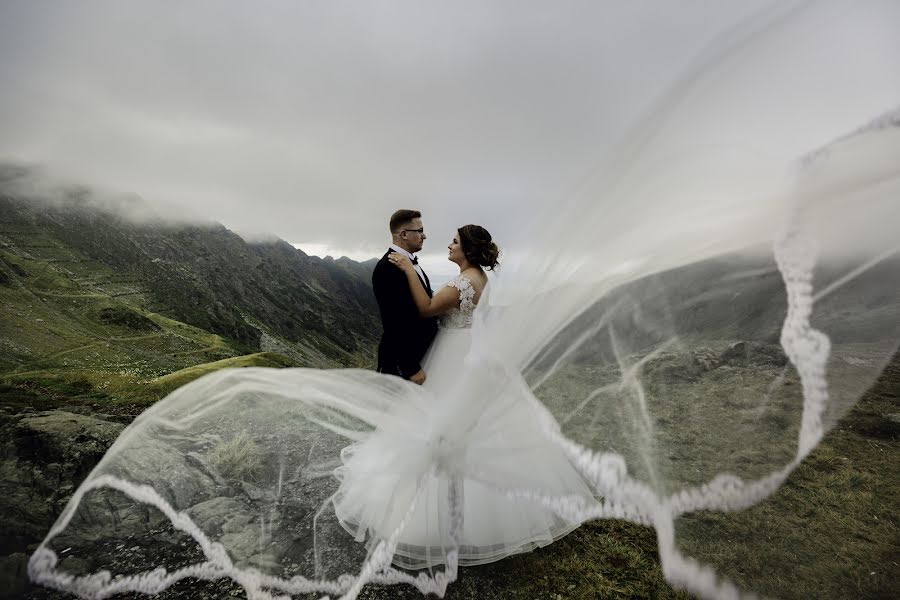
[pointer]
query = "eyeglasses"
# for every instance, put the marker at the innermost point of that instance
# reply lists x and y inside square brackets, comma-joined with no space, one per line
[420,231]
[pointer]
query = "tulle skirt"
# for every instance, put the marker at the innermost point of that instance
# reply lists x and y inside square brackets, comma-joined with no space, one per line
[505,451]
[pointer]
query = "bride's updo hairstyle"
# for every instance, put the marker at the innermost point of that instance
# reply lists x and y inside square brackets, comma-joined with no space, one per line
[478,247]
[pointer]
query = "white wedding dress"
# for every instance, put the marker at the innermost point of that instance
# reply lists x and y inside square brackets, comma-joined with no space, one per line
[506,445]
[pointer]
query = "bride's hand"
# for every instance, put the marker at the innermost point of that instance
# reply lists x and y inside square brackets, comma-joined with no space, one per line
[400,261]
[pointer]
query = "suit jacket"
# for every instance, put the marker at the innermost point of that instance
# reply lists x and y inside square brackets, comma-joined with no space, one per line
[406,335]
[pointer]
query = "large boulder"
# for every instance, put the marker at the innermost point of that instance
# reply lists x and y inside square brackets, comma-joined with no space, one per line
[43,457]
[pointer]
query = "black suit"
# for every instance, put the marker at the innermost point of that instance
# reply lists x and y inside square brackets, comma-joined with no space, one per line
[406,336]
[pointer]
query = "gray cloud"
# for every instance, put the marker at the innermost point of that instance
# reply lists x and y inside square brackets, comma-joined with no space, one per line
[315,120]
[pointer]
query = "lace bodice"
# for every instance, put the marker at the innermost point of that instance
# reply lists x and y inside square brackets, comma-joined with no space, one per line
[461,317]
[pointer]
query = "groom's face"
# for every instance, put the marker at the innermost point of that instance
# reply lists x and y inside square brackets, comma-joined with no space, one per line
[414,235]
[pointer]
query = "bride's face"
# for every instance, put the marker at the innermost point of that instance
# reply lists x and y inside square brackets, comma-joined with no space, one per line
[456,251]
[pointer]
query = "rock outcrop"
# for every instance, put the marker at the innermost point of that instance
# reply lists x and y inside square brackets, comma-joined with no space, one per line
[45,455]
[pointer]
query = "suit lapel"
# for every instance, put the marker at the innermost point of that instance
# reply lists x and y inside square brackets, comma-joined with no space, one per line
[427,283]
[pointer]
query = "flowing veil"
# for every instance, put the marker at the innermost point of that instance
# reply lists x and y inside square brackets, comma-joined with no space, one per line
[685,327]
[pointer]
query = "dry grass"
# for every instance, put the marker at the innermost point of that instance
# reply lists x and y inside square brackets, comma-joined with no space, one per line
[237,458]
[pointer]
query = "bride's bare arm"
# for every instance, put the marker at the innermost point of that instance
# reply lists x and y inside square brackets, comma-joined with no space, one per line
[446,299]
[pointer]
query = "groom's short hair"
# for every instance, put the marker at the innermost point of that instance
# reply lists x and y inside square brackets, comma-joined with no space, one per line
[402,217]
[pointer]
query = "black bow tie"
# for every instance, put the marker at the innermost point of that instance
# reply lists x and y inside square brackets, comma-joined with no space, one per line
[415,260]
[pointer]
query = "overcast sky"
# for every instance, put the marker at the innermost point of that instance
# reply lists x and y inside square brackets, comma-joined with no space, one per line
[313,121]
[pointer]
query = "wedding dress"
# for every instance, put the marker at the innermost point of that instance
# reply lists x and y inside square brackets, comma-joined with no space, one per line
[505,444]
[665,345]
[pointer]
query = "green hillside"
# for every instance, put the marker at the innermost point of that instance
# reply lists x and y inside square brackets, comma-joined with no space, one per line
[92,304]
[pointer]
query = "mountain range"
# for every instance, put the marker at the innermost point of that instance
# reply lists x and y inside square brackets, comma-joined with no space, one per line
[92,295]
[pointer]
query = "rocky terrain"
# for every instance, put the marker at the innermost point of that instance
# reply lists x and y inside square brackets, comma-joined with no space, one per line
[52,441]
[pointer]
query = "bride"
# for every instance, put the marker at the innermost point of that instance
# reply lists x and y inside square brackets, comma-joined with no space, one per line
[493,525]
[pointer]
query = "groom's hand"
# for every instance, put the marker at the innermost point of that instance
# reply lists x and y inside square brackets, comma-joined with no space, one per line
[419,377]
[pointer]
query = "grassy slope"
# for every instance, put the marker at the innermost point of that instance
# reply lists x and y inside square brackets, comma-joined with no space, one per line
[167,383]
[52,330]
[53,334]
[844,497]
[51,295]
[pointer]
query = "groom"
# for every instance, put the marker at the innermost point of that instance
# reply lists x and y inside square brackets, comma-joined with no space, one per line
[406,336]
